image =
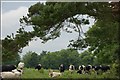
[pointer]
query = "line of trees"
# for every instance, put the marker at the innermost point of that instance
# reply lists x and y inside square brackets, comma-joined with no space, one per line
[66,57]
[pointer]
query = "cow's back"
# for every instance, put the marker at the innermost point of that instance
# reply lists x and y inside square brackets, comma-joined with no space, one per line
[8,68]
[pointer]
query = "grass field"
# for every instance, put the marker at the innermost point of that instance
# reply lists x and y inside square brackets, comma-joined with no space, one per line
[43,73]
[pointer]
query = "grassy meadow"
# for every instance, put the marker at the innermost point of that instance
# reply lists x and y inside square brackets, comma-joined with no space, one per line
[31,73]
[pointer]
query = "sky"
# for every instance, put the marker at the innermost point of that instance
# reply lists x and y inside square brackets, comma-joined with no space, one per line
[13,11]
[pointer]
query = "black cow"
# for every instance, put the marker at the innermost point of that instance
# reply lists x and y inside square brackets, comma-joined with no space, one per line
[102,68]
[79,71]
[8,67]
[62,68]
[98,67]
[88,68]
[105,68]
[38,67]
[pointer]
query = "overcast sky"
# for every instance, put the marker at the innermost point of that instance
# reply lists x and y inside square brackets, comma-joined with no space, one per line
[13,11]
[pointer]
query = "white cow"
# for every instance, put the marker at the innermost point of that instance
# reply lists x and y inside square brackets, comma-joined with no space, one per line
[71,68]
[13,74]
[54,74]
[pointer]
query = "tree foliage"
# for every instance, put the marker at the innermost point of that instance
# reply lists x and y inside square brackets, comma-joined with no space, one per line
[54,59]
[31,59]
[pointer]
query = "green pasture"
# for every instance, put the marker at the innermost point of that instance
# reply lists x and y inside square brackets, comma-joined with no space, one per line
[44,73]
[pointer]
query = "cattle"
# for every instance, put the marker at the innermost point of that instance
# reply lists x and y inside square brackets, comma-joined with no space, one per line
[105,68]
[18,70]
[61,68]
[101,67]
[71,68]
[93,69]
[54,74]
[11,74]
[88,68]
[97,68]
[38,67]
[21,65]
[8,67]
[81,69]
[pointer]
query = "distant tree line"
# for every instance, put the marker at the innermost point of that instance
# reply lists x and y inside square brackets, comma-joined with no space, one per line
[66,57]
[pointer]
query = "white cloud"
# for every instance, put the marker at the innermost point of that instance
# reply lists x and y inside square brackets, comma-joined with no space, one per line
[52,45]
[10,20]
